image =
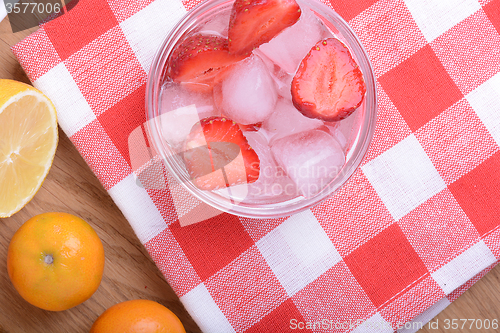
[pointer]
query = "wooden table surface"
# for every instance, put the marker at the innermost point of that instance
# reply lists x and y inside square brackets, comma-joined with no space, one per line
[129,272]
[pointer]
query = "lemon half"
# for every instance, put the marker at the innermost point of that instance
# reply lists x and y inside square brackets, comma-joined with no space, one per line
[28,142]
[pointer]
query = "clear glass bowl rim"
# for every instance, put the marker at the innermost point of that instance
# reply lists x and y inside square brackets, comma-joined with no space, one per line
[365,134]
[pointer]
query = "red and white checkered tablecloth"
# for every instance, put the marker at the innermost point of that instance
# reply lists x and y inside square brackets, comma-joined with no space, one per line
[414,227]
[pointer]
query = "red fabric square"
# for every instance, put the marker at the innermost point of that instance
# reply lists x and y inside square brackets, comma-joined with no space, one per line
[105,78]
[390,127]
[420,88]
[335,296]
[101,155]
[469,51]
[124,117]
[280,320]
[213,244]
[125,9]
[415,300]
[456,141]
[385,265]
[258,228]
[348,9]
[246,289]
[359,214]
[164,203]
[438,230]
[42,58]
[388,33]
[80,26]
[491,8]
[172,262]
[478,194]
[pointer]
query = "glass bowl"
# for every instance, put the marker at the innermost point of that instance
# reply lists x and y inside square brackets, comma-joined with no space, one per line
[233,199]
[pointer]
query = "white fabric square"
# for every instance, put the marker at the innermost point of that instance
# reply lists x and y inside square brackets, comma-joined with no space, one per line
[138,208]
[435,17]
[403,177]
[374,324]
[484,100]
[298,251]
[419,321]
[146,30]
[205,311]
[73,111]
[464,267]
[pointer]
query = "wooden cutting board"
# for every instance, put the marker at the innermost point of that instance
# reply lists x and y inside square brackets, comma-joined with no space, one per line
[129,272]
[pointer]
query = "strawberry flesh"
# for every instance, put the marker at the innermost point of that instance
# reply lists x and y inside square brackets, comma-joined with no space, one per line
[217,155]
[328,84]
[254,22]
[197,60]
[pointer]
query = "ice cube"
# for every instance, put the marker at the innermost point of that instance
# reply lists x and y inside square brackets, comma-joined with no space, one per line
[216,25]
[282,78]
[273,184]
[311,159]
[175,96]
[247,94]
[289,47]
[286,120]
[284,90]
[346,130]
[334,128]
[180,109]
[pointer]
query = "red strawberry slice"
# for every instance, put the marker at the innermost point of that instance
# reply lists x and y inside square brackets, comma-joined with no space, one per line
[197,60]
[217,155]
[254,22]
[328,84]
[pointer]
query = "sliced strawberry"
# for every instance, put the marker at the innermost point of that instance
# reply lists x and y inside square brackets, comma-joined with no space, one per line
[218,155]
[197,60]
[254,22]
[328,84]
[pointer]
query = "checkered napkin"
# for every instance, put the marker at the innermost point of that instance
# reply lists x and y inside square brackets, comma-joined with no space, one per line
[415,226]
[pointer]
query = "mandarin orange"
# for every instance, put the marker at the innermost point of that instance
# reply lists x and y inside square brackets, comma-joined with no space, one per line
[55,261]
[138,316]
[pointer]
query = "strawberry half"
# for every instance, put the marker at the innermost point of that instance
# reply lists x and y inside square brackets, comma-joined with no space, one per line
[254,22]
[328,84]
[197,60]
[217,155]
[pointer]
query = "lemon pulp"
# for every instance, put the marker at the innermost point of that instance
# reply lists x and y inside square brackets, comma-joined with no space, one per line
[28,141]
